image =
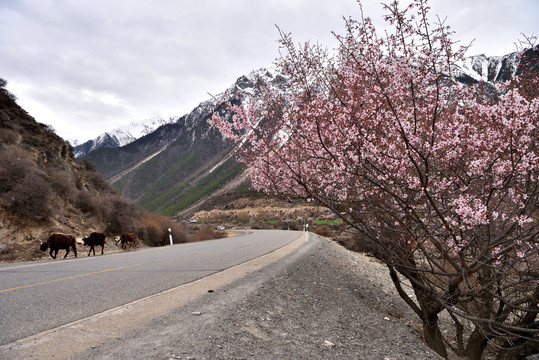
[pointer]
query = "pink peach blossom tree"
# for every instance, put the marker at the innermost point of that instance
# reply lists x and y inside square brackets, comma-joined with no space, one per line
[439,178]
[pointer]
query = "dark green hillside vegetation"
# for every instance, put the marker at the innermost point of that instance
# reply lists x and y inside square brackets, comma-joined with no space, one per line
[181,197]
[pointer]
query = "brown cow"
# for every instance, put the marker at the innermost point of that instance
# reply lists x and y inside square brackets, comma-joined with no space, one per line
[93,240]
[128,239]
[59,241]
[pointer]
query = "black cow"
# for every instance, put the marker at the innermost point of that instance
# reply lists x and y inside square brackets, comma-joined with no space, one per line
[59,241]
[94,239]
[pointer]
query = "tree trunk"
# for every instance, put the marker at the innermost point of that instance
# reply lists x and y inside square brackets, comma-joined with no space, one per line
[476,345]
[432,333]
[428,310]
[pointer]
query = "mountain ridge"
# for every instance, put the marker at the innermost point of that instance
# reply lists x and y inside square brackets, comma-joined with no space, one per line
[473,69]
[193,146]
[489,69]
[121,136]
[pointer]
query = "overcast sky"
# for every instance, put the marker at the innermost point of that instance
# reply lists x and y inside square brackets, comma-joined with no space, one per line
[88,66]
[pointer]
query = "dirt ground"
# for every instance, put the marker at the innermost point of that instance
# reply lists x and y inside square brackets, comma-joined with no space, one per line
[319,302]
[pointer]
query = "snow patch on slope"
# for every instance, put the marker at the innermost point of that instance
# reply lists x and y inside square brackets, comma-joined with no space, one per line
[487,69]
[121,136]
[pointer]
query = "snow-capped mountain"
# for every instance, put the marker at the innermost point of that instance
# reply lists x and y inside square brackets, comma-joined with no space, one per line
[124,135]
[121,136]
[474,69]
[487,69]
[182,162]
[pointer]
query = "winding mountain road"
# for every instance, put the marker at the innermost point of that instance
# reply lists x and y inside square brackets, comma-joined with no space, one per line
[39,296]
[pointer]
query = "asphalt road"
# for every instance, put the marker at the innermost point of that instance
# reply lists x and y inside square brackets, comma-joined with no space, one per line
[43,295]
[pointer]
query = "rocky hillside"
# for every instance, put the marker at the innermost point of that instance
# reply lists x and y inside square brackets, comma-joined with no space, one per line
[44,189]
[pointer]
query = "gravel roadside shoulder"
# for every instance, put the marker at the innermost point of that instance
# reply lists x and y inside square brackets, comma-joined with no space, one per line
[320,302]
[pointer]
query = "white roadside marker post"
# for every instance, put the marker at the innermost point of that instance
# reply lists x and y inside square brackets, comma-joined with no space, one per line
[170,235]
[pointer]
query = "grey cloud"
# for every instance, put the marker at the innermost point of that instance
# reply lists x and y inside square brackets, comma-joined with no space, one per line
[94,64]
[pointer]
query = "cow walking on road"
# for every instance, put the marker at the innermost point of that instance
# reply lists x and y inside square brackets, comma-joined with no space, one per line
[128,239]
[93,240]
[59,241]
